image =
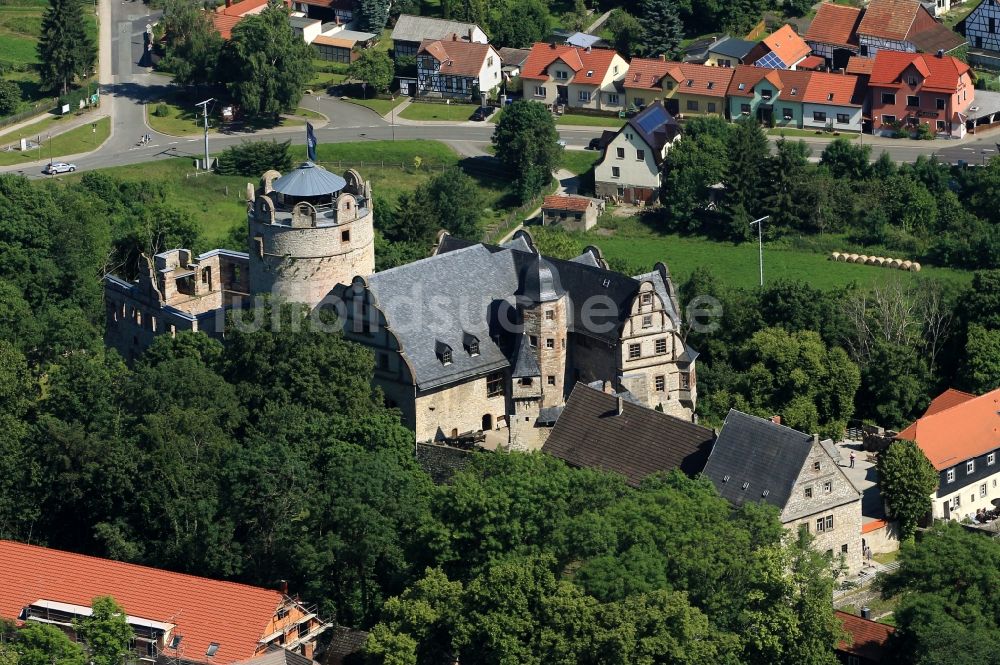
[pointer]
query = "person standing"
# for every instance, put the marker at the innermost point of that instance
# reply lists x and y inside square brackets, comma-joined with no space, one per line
[852,459]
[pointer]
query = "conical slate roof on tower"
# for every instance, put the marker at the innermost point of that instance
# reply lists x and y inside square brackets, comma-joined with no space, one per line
[308,179]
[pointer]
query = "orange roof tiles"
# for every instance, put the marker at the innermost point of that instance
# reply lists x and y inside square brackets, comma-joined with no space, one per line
[571,203]
[203,610]
[940,74]
[835,24]
[224,24]
[858,65]
[225,17]
[787,45]
[745,77]
[702,80]
[951,434]
[870,637]
[828,88]
[811,62]
[457,57]
[946,400]
[579,60]
[645,73]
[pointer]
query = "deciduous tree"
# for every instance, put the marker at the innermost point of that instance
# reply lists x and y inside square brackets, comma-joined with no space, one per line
[906,478]
[526,144]
[373,67]
[106,632]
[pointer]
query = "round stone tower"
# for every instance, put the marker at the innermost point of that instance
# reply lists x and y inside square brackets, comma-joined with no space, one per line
[309,230]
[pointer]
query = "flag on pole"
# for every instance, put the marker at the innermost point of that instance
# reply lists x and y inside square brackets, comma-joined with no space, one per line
[310,142]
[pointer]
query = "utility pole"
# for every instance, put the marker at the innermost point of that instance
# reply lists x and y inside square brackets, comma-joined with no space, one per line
[760,244]
[204,107]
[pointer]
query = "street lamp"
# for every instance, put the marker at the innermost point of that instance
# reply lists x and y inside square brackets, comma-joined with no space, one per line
[760,243]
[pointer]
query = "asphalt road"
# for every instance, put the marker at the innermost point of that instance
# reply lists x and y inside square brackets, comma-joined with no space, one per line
[133,86]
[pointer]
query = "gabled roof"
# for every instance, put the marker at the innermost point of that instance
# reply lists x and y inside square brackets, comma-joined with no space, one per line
[869,637]
[745,77]
[946,400]
[787,45]
[582,61]
[757,460]
[907,20]
[702,80]
[224,18]
[833,89]
[571,202]
[411,28]
[457,57]
[276,655]
[835,24]
[939,74]
[732,47]
[641,441]
[646,73]
[203,610]
[792,83]
[951,434]
[514,56]
[655,126]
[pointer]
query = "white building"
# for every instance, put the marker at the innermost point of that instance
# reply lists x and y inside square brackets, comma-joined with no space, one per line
[629,170]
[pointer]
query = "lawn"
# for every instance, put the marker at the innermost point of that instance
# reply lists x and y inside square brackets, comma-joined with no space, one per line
[579,161]
[49,123]
[185,119]
[81,139]
[809,133]
[426,111]
[737,265]
[380,106]
[589,120]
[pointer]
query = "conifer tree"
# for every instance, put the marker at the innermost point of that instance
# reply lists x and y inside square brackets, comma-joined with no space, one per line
[65,50]
[663,29]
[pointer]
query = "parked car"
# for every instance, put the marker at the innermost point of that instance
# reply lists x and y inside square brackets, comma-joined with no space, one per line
[561,142]
[58,167]
[482,113]
[595,144]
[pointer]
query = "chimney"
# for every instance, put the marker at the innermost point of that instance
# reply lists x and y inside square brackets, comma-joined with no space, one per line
[940,53]
[815,438]
[776,420]
[866,613]
[663,57]
[552,44]
[229,3]
[621,405]
[587,49]
[470,35]
[607,388]
[454,36]
[282,584]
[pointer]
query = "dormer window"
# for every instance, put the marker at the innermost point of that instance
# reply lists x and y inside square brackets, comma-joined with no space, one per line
[443,352]
[795,91]
[471,344]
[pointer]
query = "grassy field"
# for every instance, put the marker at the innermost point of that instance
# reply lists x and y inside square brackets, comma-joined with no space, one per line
[49,123]
[631,240]
[579,161]
[81,139]
[425,111]
[589,120]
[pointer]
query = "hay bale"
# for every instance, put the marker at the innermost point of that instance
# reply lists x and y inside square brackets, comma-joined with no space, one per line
[852,258]
[915,267]
[879,261]
[835,256]
[843,257]
[863,258]
[894,263]
[905,265]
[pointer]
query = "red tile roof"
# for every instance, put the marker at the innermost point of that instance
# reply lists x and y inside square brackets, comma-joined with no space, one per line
[811,62]
[870,637]
[787,45]
[828,88]
[794,83]
[645,73]
[706,81]
[946,400]
[203,610]
[889,19]
[874,525]
[940,74]
[858,65]
[949,435]
[457,57]
[835,24]
[746,76]
[563,202]
[225,18]
[579,60]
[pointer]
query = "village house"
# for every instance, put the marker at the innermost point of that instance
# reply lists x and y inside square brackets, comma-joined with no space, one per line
[643,81]
[903,25]
[411,31]
[629,169]
[832,101]
[459,69]
[982,30]
[832,34]
[176,618]
[226,16]
[754,92]
[782,49]
[331,12]
[479,338]
[959,435]
[571,211]
[690,89]
[584,78]
[728,52]
[868,643]
[601,430]
[911,89]
[758,460]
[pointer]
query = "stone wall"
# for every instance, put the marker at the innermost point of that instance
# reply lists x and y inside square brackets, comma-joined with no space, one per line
[458,409]
[441,462]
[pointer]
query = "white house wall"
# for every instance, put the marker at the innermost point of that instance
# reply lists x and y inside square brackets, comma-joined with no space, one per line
[853,114]
[632,172]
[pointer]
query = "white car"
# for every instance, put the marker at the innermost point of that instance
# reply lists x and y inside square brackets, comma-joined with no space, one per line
[58,167]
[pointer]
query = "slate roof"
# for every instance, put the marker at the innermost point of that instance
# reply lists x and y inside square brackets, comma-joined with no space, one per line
[705,80]
[753,456]
[940,74]
[278,656]
[835,24]
[543,54]
[411,28]
[951,435]
[525,363]
[869,637]
[457,57]
[345,642]
[734,48]
[639,442]
[204,610]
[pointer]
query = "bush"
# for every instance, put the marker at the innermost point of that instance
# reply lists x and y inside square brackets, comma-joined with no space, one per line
[161,110]
[252,158]
[924,132]
[10,97]
[73,98]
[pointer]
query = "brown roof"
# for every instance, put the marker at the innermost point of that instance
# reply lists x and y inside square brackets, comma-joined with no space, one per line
[457,57]
[564,202]
[641,441]
[936,37]
[827,88]
[543,54]
[949,435]
[645,73]
[835,24]
[787,45]
[794,83]
[870,637]
[858,65]
[326,40]
[704,80]
[889,19]
[811,62]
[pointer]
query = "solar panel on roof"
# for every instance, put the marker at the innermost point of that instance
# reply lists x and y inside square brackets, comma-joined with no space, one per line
[771,61]
[649,120]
